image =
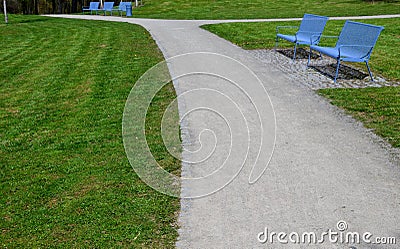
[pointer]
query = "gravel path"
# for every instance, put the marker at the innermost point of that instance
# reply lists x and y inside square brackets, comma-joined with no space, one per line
[238,108]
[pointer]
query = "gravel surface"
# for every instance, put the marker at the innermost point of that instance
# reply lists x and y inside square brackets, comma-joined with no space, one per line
[321,72]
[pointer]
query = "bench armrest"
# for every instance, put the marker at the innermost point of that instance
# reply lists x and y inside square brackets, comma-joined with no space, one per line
[308,32]
[314,38]
[318,37]
[329,36]
[285,27]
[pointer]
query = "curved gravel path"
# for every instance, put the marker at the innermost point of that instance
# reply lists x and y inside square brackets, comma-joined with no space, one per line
[326,168]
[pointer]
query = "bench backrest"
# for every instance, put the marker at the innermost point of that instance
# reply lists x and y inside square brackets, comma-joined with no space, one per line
[313,23]
[359,34]
[108,6]
[122,6]
[94,6]
[311,26]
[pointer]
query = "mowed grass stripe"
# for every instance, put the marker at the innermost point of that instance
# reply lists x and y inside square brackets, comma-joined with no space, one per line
[242,9]
[66,181]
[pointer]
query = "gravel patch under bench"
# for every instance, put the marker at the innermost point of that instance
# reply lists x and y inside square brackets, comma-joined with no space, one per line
[321,71]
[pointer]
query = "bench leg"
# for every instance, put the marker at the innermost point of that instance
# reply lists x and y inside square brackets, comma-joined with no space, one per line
[276,42]
[309,57]
[337,70]
[294,52]
[369,71]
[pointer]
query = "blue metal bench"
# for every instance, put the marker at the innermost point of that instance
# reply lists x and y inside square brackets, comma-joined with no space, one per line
[94,6]
[354,44]
[108,6]
[308,33]
[121,8]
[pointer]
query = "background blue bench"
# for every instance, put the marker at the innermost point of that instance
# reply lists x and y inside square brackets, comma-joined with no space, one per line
[94,6]
[121,8]
[108,6]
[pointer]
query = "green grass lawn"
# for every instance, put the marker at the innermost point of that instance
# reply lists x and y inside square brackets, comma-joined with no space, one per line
[65,179]
[377,108]
[240,9]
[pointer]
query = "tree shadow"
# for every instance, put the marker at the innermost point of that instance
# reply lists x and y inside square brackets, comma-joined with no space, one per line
[345,72]
[33,20]
[301,53]
[329,70]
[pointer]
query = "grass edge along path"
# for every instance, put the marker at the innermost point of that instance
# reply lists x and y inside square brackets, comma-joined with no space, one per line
[65,178]
[377,108]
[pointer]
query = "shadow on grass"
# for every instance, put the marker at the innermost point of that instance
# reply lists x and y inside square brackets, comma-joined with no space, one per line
[301,53]
[345,72]
[32,20]
[22,19]
[329,70]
